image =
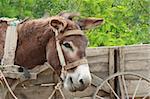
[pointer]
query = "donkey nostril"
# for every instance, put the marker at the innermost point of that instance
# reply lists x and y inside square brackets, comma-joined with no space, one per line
[81,81]
[71,80]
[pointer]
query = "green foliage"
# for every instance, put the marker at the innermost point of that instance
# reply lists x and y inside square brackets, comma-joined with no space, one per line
[126,21]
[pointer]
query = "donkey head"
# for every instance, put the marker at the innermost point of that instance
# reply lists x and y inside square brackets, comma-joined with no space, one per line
[73,45]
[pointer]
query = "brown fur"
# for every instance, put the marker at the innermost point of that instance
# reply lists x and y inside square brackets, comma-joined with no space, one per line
[36,37]
[3,27]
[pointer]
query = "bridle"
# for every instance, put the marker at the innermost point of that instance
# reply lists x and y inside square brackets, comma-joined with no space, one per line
[66,67]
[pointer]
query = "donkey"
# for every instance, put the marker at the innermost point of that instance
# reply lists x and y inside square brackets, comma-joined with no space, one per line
[37,44]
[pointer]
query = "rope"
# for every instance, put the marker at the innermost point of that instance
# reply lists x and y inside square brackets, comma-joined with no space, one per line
[1,83]
[57,87]
[2,75]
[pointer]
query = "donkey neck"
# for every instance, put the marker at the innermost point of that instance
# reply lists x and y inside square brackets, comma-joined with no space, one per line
[31,48]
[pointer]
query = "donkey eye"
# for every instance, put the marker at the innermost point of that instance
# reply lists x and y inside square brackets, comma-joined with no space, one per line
[67,45]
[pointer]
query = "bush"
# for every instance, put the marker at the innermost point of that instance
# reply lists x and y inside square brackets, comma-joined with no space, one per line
[126,21]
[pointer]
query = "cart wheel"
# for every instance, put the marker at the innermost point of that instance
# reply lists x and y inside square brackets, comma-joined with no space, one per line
[120,77]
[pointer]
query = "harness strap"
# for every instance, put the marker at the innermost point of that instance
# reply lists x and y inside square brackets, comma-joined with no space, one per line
[10,45]
[75,64]
[60,55]
[73,32]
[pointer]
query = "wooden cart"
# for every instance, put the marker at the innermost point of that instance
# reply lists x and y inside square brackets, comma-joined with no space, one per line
[117,72]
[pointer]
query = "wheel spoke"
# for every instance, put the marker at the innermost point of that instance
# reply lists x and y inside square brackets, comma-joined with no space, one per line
[146,96]
[125,87]
[136,88]
[99,97]
[112,90]
[63,96]
[52,94]
[121,88]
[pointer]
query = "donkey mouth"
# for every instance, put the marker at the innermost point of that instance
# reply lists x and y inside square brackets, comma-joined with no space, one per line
[74,88]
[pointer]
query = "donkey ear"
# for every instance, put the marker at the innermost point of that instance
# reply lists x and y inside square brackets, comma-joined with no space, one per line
[89,23]
[59,24]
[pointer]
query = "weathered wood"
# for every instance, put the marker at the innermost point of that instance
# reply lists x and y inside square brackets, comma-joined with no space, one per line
[11,71]
[102,75]
[83,98]
[36,92]
[111,70]
[101,61]
[141,52]
[136,48]
[87,92]
[137,56]
[137,65]
[96,67]
[97,59]
[143,89]
[145,73]
[97,51]
[34,88]
[96,80]
[134,59]
[121,67]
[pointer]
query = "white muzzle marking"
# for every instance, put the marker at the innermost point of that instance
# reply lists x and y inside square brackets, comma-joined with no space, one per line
[78,80]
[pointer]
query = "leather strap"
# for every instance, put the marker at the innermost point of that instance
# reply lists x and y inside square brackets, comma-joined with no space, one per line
[73,32]
[10,44]
[75,64]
